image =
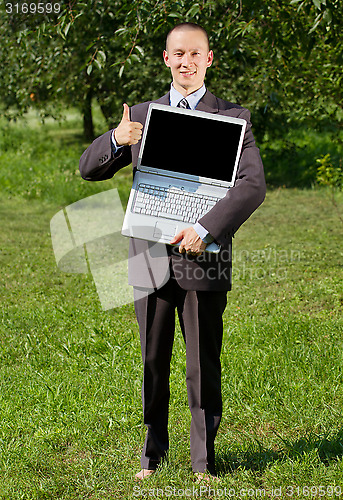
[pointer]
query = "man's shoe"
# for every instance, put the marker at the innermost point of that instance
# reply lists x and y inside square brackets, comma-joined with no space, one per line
[204,477]
[144,473]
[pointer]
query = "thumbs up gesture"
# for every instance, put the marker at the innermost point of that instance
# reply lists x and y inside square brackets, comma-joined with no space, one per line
[127,132]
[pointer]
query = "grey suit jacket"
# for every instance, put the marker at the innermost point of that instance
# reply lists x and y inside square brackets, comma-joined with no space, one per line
[208,271]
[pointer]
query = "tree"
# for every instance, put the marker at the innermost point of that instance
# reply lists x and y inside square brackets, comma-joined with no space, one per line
[279,58]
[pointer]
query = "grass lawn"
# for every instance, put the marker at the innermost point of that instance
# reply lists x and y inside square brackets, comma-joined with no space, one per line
[70,373]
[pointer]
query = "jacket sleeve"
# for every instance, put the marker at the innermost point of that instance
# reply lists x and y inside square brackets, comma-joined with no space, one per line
[249,191]
[98,163]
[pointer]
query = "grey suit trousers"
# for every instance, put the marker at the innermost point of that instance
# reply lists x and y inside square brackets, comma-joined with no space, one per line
[200,315]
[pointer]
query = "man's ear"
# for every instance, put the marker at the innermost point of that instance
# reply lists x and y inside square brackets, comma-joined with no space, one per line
[210,58]
[166,58]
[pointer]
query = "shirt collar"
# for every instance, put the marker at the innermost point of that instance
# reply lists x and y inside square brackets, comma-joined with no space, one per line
[193,99]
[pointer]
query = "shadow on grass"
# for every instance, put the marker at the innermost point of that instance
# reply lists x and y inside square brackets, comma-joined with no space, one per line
[257,457]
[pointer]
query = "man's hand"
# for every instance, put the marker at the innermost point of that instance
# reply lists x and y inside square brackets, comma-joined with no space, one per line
[191,243]
[127,132]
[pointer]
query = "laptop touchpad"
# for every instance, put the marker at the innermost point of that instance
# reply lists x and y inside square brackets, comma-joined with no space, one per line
[165,230]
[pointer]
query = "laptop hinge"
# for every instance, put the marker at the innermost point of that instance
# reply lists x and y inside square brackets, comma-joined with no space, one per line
[156,172]
[174,176]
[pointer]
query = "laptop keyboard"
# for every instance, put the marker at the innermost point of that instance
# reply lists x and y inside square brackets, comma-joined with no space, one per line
[172,203]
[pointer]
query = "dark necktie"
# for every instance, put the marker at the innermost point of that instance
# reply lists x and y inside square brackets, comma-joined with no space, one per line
[183,104]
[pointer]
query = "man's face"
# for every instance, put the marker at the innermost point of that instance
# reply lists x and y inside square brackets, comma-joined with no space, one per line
[188,58]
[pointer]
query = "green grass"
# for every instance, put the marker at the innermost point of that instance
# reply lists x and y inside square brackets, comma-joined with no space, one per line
[70,373]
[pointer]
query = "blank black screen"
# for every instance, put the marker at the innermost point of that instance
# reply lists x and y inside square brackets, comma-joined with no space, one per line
[191,144]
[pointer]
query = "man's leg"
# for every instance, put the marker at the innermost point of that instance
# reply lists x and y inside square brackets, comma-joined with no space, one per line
[201,323]
[156,318]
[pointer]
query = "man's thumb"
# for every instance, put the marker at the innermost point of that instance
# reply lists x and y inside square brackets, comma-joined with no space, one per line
[126,112]
[176,238]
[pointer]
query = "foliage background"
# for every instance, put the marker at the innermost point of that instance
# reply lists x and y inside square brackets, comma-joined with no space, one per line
[281,59]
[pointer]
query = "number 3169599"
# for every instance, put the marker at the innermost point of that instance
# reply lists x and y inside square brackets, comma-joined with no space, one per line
[33,8]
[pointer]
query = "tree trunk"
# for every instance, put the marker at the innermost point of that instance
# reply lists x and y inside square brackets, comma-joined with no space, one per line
[88,126]
[108,113]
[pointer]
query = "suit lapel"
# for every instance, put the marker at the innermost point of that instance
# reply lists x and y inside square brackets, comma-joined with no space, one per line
[208,103]
[164,100]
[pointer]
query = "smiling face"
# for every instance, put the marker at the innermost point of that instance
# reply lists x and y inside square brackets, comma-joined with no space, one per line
[188,57]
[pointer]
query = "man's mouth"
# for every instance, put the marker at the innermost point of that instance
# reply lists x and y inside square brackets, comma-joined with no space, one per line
[188,73]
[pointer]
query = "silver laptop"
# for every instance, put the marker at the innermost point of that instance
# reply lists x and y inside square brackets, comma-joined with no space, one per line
[187,162]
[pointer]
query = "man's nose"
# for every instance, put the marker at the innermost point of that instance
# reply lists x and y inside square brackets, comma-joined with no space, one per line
[186,60]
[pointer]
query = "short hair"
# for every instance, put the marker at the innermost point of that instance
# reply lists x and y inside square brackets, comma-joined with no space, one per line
[189,26]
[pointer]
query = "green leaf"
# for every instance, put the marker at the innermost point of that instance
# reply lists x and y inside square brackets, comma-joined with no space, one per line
[101,57]
[66,30]
[140,50]
[121,31]
[195,9]
[97,64]
[133,57]
[90,46]
[316,23]
[327,17]
[89,69]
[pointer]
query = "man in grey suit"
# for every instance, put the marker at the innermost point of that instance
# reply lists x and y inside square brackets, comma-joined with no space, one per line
[198,282]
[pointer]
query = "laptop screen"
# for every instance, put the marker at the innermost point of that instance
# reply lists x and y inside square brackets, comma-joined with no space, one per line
[195,145]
